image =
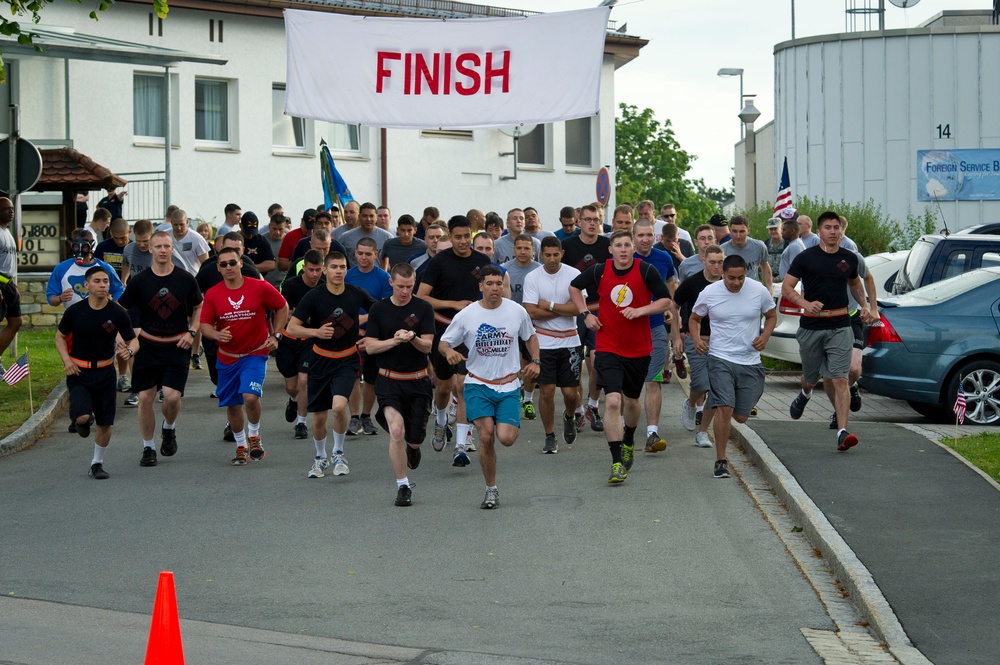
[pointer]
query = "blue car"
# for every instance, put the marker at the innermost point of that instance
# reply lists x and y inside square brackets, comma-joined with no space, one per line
[931,339]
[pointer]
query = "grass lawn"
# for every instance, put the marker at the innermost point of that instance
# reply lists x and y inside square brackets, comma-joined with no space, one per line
[46,372]
[983,450]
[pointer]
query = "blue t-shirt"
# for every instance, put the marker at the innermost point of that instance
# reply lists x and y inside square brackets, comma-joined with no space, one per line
[664,265]
[375,282]
[562,235]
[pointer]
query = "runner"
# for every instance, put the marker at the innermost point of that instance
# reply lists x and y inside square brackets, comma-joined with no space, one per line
[89,330]
[488,328]
[627,288]
[516,270]
[735,372]
[169,304]
[331,317]
[399,336]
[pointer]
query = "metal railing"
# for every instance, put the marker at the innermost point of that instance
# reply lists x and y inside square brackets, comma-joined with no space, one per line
[145,198]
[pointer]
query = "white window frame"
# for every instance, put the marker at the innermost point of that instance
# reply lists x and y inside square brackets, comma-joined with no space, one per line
[546,164]
[308,133]
[593,125]
[323,131]
[232,116]
[175,111]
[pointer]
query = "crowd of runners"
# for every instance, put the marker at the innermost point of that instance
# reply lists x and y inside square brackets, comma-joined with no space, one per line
[439,329]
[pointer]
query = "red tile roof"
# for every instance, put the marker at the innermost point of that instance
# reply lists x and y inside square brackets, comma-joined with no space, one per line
[66,168]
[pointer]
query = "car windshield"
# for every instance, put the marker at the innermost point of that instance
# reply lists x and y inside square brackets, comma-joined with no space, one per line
[948,288]
[909,276]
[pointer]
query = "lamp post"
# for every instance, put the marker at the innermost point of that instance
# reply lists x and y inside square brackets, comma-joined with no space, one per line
[748,116]
[727,72]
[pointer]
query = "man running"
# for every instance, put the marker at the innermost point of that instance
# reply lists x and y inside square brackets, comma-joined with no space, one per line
[735,372]
[489,328]
[86,342]
[399,336]
[626,287]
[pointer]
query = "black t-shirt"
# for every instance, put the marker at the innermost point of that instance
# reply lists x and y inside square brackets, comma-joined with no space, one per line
[209,275]
[581,256]
[93,330]
[304,246]
[824,278]
[165,303]
[295,289]
[109,252]
[258,249]
[319,306]
[385,318]
[686,296]
[453,277]
[590,279]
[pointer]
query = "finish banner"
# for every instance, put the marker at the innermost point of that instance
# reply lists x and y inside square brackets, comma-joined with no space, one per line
[958,175]
[444,74]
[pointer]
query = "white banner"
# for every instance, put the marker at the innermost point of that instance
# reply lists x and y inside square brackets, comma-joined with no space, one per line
[447,74]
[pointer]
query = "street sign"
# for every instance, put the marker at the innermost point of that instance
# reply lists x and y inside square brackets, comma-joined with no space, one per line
[603,186]
[29,165]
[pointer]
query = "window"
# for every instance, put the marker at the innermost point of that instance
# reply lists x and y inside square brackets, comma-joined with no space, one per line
[531,147]
[342,138]
[990,260]
[286,131]
[957,263]
[147,105]
[211,111]
[579,142]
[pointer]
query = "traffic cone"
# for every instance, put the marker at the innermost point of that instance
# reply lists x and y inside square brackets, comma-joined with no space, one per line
[164,647]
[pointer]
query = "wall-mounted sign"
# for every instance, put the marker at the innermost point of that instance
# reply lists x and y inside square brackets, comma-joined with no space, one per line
[40,240]
[958,175]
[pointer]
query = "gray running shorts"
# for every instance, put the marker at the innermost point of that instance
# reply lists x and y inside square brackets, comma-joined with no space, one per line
[825,353]
[738,386]
[658,356]
[698,365]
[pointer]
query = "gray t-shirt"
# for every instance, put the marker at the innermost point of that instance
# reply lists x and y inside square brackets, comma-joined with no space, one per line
[138,260]
[517,275]
[754,252]
[503,249]
[8,252]
[853,304]
[794,248]
[692,265]
[397,252]
[350,240]
[274,277]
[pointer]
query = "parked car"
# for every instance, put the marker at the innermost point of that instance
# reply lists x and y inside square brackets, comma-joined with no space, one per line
[992,229]
[783,346]
[931,339]
[935,257]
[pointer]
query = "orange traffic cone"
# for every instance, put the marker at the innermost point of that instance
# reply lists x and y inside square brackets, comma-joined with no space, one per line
[164,646]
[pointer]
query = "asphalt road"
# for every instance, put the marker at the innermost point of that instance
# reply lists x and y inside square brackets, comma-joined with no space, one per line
[673,566]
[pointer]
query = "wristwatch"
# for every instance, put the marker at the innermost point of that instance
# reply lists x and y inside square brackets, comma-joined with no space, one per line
[537,361]
[192,333]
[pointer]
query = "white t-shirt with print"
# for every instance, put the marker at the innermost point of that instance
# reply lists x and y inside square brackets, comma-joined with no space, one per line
[560,332]
[491,336]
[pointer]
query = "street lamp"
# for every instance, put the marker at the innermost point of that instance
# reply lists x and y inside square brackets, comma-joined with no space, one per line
[727,72]
[748,116]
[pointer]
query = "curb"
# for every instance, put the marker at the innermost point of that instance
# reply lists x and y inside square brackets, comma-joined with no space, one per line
[30,430]
[853,574]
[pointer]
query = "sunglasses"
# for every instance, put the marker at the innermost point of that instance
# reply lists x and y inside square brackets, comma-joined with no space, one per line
[228,264]
[670,216]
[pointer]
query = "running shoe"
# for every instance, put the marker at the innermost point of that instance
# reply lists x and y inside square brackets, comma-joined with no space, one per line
[404,496]
[84,430]
[159,397]
[354,426]
[340,467]
[833,420]
[680,367]
[124,385]
[227,434]
[368,427]
[453,409]
[148,457]
[196,360]
[664,376]
[241,457]
[72,427]
[528,411]
[256,450]
[470,445]
[97,472]
[721,469]
[492,499]
[412,456]
[753,412]
[618,474]
[855,399]
[698,413]
[291,410]
[569,429]
[701,440]
[550,446]
[846,441]
[301,431]
[168,442]
[580,421]
[131,401]
[441,433]
[594,416]
[654,444]
[687,416]
[460,458]
[798,406]
[628,456]
[320,464]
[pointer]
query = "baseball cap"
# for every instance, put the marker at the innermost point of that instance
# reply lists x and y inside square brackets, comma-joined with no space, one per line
[788,213]
[718,220]
[249,223]
[773,223]
[309,217]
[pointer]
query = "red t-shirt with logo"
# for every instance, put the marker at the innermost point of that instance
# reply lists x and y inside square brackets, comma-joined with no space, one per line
[244,311]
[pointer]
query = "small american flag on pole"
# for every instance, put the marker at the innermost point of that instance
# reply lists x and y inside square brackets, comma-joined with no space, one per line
[784,198]
[17,371]
[959,407]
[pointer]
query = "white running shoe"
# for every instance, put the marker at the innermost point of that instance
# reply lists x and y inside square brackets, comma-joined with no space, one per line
[702,441]
[340,465]
[320,464]
[687,416]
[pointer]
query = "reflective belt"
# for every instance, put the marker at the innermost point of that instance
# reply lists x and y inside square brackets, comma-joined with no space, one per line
[162,340]
[827,313]
[403,376]
[336,355]
[498,382]
[92,364]
[441,319]
[562,334]
[284,334]
[242,355]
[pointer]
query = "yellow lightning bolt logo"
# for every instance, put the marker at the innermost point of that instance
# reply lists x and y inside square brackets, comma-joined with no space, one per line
[621,296]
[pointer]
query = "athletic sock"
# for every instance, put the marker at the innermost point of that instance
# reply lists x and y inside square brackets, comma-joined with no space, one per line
[320,445]
[253,429]
[462,431]
[441,416]
[402,482]
[338,442]
[843,431]
[365,416]
[149,444]
[241,439]
[616,451]
[98,454]
[629,436]
[300,420]
[807,395]
[593,403]
[579,411]
[651,429]
[700,409]
[167,425]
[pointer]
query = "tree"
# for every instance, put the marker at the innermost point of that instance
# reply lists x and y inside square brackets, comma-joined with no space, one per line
[650,164]
[32,10]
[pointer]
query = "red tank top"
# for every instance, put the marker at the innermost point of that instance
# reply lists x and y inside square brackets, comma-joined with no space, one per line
[618,335]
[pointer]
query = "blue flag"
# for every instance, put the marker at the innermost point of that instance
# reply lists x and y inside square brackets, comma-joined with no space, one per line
[334,187]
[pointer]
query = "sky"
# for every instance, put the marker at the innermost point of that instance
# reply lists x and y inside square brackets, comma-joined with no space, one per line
[676,73]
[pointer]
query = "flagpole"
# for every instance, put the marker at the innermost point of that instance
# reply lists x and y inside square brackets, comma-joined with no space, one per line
[31,400]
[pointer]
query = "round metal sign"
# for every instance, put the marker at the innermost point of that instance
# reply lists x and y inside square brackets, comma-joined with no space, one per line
[603,186]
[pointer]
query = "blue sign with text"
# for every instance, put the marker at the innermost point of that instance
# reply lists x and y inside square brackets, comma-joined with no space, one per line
[958,175]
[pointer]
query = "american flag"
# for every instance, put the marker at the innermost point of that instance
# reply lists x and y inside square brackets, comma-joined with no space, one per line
[959,407]
[784,198]
[17,371]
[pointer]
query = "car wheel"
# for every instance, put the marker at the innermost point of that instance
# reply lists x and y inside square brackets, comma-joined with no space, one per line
[937,413]
[981,384]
